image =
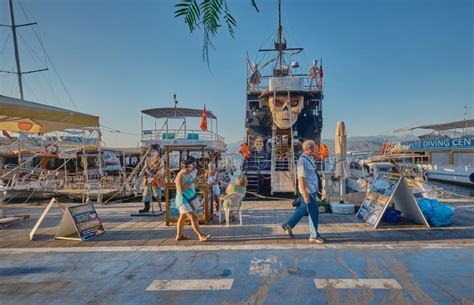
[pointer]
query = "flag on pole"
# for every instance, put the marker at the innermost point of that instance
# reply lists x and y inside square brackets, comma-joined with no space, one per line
[204,119]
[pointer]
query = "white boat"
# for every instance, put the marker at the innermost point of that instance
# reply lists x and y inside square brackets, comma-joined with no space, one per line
[450,152]
[364,170]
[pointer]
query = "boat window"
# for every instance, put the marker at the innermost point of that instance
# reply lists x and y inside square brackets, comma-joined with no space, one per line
[314,104]
[254,104]
[440,158]
[463,158]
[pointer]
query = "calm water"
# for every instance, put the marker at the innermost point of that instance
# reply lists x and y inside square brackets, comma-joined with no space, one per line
[460,190]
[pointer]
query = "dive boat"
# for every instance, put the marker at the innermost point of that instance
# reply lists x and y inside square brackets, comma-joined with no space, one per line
[450,153]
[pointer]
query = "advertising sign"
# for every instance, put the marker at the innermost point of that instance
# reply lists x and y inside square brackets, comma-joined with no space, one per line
[86,220]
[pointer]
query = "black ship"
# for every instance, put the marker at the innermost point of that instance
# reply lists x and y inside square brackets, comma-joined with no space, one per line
[284,108]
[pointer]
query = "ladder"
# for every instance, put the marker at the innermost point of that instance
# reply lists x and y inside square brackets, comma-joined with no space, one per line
[283,171]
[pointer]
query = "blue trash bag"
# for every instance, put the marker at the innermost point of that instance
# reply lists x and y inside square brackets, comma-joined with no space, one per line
[437,214]
[426,207]
[442,215]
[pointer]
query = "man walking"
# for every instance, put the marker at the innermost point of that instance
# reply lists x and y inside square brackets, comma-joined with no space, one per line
[308,186]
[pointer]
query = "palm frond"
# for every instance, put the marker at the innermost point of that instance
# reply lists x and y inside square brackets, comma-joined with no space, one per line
[254,4]
[191,12]
[229,20]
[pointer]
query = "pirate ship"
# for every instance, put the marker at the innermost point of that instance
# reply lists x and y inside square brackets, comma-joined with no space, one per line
[283,109]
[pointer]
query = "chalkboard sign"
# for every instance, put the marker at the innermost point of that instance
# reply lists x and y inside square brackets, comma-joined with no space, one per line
[86,221]
[389,188]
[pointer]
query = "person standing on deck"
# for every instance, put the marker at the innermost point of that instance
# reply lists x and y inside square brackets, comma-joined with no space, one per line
[186,201]
[309,188]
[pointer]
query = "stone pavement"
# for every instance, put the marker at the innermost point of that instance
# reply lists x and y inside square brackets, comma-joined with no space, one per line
[261,227]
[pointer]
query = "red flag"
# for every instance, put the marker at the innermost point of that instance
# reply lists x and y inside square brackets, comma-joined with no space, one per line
[321,71]
[204,119]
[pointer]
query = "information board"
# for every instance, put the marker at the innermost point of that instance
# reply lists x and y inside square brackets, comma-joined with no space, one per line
[378,197]
[79,222]
[86,221]
[390,188]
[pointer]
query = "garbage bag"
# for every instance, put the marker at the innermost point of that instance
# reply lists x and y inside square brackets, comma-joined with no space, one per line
[426,207]
[442,215]
[437,214]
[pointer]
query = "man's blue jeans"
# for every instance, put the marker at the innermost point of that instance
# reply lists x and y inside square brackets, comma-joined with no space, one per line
[313,211]
[300,212]
[304,209]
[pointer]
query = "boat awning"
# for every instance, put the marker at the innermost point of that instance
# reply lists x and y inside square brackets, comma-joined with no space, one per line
[444,126]
[23,116]
[171,112]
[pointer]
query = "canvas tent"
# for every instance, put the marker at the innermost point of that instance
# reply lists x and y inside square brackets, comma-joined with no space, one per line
[23,116]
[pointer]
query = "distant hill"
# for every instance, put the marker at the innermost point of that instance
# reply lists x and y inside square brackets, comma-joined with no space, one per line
[372,143]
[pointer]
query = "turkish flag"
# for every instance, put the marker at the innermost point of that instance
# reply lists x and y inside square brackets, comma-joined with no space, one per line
[204,119]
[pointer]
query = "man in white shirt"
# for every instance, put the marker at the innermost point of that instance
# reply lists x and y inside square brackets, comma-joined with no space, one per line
[308,186]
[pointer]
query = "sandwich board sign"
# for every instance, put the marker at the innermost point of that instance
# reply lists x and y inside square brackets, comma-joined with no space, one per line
[390,188]
[79,222]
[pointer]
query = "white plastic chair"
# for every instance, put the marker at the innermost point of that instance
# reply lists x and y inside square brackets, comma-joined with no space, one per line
[234,199]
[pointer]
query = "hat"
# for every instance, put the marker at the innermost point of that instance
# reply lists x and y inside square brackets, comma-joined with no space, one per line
[188,161]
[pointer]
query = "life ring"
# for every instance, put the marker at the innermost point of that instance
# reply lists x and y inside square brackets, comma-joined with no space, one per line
[52,152]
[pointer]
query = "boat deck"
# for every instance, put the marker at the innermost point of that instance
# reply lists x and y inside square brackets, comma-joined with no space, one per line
[261,228]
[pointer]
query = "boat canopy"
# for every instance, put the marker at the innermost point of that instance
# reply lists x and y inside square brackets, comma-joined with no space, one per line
[24,116]
[172,112]
[444,126]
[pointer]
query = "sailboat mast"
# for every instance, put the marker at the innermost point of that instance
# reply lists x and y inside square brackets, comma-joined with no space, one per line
[17,53]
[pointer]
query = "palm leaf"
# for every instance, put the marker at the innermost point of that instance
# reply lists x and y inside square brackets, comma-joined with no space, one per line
[254,4]
[191,12]
[229,20]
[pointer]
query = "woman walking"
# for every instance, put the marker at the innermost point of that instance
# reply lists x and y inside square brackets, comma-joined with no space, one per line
[186,201]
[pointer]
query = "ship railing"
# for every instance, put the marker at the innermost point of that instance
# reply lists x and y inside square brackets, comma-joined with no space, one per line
[309,84]
[175,134]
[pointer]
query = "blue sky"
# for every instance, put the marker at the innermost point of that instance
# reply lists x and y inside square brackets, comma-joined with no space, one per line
[387,63]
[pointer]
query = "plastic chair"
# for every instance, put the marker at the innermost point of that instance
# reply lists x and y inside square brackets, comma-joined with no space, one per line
[234,199]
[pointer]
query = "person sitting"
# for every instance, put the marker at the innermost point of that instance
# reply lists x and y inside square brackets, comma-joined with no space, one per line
[240,187]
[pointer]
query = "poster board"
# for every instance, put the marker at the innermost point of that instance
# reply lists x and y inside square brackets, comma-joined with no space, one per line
[86,221]
[389,188]
[78,222]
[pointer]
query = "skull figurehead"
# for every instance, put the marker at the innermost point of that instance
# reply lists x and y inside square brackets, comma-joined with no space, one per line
[259,144]
[285,111]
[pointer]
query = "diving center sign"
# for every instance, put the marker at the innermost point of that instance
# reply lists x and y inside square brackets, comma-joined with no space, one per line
[439,144]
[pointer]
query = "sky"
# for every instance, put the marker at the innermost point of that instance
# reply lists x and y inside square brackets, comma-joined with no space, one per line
[387,63]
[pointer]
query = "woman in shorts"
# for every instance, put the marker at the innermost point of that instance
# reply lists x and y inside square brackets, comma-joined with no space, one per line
[186,201]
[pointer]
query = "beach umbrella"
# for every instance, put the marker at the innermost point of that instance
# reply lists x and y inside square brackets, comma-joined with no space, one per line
[342,167]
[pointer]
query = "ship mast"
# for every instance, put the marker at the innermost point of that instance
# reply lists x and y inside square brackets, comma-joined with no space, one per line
[17,53]
[18,72]
[280,30]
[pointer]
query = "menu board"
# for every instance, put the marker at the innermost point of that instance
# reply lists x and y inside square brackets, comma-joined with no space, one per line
[86,221]
[378,198]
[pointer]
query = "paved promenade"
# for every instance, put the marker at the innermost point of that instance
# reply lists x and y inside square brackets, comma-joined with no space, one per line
[137,261]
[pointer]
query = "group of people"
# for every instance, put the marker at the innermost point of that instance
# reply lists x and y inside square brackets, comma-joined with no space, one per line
[186,197]
[309,187]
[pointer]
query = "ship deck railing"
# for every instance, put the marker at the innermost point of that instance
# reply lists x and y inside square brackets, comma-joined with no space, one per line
[309,85]
[180,134]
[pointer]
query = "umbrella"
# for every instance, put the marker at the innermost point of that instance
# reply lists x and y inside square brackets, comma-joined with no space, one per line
[342,167]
